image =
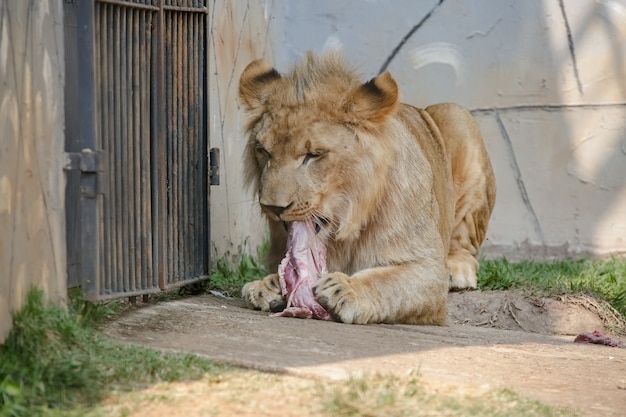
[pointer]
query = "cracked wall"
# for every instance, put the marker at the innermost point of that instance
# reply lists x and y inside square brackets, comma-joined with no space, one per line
[545,79]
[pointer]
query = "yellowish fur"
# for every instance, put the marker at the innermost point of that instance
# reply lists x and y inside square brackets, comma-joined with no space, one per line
[403,194]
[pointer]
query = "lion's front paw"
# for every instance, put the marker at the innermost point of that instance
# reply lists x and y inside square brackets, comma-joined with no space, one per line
[264,294]
[337,294]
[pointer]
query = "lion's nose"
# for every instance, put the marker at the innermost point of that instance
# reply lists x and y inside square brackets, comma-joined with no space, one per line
[277,210]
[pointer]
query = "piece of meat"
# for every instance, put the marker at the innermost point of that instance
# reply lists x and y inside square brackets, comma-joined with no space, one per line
[598,338]
[303,264]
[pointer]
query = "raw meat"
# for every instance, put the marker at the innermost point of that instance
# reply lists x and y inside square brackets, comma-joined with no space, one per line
[303,264]
[598,338]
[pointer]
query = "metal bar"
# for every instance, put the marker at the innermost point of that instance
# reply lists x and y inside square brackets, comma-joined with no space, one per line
[177,144]
[196,231]
[123,3]
[127,157]
[97,76]
[159,161]
[167,132]
[114,121]
[90,261]
[172,8]
[144,120]
[201,147]
[176,111]
[201,151]
[107,116]
[171,132]
[116,142]
[186,9]
[194,195]
[115,295]
[72,144]
[188,281]
[126,138]
[101,71]
[183,127]
[156,183]
[169,93]
[130,146]
[182,141]
[186,137]
[206,188]
[135,122]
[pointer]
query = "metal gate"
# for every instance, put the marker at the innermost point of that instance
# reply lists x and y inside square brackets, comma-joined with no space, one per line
[137,140]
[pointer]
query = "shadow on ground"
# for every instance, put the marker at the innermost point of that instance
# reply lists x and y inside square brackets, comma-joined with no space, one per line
[550,368]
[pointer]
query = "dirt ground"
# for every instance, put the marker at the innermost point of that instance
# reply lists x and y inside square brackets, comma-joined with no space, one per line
[494,340]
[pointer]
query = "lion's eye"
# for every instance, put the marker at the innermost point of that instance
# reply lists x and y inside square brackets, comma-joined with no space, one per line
[311,155]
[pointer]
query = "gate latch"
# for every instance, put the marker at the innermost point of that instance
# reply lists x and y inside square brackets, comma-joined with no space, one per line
[214,166]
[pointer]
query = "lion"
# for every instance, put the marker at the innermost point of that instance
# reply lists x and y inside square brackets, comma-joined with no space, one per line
[401,196]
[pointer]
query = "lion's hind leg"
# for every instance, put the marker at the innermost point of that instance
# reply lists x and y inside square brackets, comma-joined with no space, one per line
[474,187]
[462,264]
[474,190]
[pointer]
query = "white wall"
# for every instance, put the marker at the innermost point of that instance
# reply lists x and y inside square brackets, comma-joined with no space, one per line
[553,115]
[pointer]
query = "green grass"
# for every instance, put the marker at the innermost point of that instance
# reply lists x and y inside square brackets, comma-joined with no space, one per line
[605,280]
[229,279]
[54,361]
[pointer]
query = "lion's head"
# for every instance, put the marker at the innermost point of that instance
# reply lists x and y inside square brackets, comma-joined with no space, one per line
[315,144]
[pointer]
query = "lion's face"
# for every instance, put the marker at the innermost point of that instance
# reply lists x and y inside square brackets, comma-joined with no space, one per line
[308,155]
[301,169]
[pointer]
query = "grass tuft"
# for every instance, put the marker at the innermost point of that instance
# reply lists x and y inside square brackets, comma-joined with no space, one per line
[53,359]
[229,279]
[602,279]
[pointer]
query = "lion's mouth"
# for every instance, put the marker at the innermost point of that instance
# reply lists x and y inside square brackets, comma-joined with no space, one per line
[318,222]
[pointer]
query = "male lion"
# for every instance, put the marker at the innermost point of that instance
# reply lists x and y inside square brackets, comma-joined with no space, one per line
[401,196]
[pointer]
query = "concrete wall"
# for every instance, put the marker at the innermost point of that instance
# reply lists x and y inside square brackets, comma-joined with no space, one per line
[545,79]
[32,182]
[240,32]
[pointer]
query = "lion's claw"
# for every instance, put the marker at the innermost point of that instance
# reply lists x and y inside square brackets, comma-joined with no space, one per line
[337,295]
[264,294]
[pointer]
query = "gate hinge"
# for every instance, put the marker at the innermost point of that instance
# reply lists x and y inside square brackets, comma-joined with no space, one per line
[87,160]
[91,164]
[214,166]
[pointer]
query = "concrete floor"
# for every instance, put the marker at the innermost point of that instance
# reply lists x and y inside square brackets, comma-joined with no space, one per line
[553,369]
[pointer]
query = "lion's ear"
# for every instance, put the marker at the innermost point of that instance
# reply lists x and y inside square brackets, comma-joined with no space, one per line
[374,100]
[254,83]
